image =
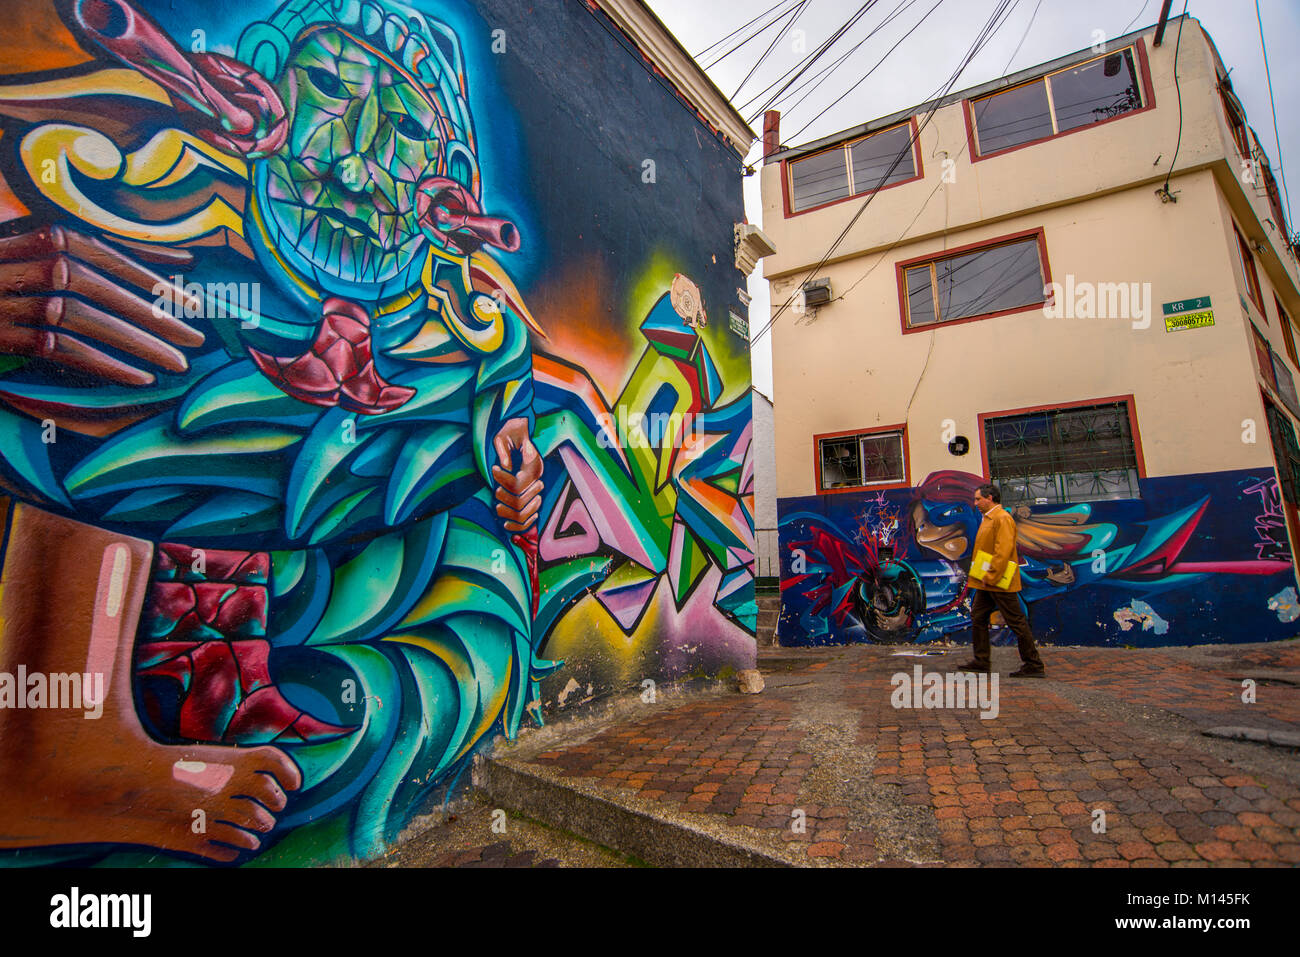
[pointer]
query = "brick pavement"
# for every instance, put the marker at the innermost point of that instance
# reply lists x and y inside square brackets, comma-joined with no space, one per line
[1024,788]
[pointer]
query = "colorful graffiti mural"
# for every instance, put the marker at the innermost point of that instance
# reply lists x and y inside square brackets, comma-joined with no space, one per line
[308,466]
[1197,559]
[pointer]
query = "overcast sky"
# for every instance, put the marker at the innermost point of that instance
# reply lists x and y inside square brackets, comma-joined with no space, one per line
[924,61]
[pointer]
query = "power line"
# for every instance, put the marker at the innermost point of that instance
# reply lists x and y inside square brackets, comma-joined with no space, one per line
[994,23]
[836,102]
[826,73]
[794,18]
[1136,18]
[1179,90]
[745,42]
[779,3]
[798,70]
[1278,139]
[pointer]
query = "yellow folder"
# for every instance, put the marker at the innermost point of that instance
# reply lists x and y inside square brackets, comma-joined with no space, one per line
[979,567]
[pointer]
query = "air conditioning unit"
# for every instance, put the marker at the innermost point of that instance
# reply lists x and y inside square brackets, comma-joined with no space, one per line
[817,292]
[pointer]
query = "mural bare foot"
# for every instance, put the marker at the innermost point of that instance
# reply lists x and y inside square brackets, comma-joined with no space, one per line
[70,606]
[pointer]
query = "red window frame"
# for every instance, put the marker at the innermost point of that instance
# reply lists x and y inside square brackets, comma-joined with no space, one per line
[1128,400]
[1288,334]
[902,267]
[1148,103]
[858,433]
[1249,272]
[787,175]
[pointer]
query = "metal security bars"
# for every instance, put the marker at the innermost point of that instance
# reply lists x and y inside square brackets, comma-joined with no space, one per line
[1059,456]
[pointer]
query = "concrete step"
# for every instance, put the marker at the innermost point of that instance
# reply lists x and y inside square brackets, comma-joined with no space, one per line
[650,833]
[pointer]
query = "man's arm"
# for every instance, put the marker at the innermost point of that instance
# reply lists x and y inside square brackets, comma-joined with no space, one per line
[1004,546]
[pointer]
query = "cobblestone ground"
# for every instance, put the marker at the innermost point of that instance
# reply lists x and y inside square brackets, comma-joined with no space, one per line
[822,761]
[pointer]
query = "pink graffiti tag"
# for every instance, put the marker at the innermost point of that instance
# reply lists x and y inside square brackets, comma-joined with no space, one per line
[1271,519]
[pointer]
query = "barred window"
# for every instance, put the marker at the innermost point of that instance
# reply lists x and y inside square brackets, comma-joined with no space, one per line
[1059,456]
[862,461]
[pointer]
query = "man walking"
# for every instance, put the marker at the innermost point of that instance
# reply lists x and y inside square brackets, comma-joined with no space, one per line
[995,580]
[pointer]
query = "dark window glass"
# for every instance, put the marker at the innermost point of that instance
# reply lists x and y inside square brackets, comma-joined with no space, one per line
[819,179]
[977,283]
[841,467]
[1264,356]
[1083,454]
[1095,91]
[1013,117]
[990,280]
[872,158]
[882,458]
[920,296]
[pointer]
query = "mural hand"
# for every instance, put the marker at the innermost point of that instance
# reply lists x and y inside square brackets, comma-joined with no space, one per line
[519,492]
[63,296]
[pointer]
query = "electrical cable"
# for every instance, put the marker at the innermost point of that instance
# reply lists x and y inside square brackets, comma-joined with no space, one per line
[803,5]
[1136,18]
[840,99]
[824,74]
[745,42]
[1281,168]
[1179,90]
[779,3]
[797,71]
[994,23]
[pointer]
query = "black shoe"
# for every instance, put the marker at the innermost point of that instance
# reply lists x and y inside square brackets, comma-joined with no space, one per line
[973,666]
[1028,672]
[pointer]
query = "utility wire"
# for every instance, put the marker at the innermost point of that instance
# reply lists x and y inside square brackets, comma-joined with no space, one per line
[826,73]
[1281,168]
[1178,145]
[1136,18]
[792,75]
[994,23]
[781,31]
[779,3]
[830,106]
[746,41]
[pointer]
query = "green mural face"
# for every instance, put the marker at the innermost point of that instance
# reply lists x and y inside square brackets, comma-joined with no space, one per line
[362,135]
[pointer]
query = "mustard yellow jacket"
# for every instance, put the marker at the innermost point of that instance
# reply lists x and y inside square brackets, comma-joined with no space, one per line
[995,553]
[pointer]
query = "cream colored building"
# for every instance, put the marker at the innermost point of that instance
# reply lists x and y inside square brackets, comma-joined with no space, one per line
[1023,301]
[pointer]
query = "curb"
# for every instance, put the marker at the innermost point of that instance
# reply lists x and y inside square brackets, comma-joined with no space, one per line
[653,840]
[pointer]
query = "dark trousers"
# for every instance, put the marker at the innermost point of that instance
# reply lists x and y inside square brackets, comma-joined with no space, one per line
[1013,613]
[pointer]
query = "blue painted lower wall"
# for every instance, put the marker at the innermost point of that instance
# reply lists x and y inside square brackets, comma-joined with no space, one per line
[1197,559]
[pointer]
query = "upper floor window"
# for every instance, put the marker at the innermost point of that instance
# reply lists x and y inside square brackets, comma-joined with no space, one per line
[1093,91]
[849,169]
[864,460]
[972,283]
[1236,115]
[1288,334]
[1055,456]
[1246,260]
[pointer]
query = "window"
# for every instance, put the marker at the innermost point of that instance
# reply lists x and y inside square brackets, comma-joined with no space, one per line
[1236,114]
[993,279]
[1264,357]
[863,460]
[1092,92]
[1288,334]
[1072,454]
[852,168]
[1247,262]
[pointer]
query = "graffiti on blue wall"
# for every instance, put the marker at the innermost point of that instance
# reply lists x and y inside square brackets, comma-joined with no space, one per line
[1199,558]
